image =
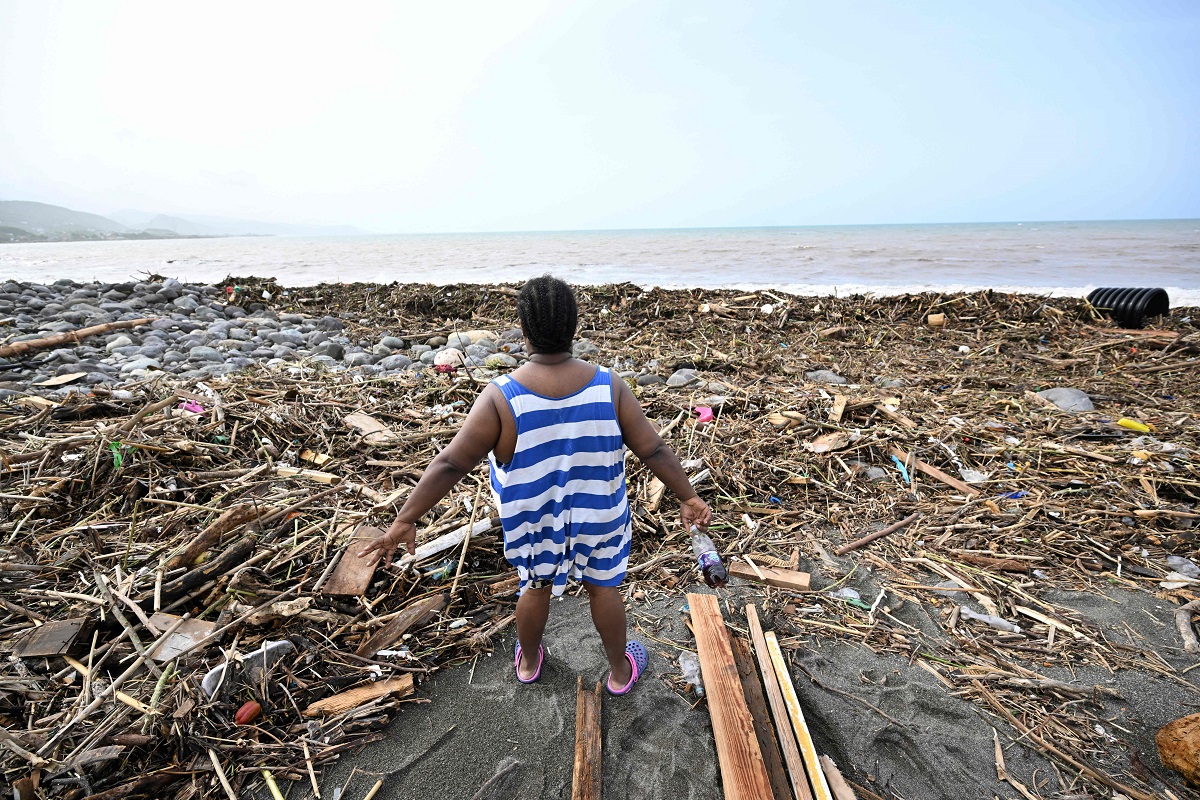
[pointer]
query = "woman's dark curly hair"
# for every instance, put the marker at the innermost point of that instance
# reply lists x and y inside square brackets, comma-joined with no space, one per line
[548,314]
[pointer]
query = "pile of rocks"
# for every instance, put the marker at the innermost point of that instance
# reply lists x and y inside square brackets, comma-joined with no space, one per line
[197,334]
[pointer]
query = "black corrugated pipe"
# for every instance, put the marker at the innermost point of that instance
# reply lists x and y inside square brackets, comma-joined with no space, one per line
[1129,307]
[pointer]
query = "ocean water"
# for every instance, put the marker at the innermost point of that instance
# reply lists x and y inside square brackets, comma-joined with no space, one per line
[1058,258]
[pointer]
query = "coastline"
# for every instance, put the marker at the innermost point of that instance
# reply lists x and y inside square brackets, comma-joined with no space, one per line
[1063,530]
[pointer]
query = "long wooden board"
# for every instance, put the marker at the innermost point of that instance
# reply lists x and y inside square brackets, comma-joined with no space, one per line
[411,615]
[812,763]
[772,576]
[585,781]
[353,573]
[743,774]
[783,721]
[353,698]
[752,689]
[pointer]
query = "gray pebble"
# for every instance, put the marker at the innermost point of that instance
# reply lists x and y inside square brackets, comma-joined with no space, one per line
[649,379]
[392,343]
[684,379]
[397,362]
[825,376]
[202,353]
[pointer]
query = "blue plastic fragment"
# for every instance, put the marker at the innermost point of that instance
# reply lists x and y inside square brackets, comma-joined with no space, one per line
[1014,495]
[775,501]
[903,470]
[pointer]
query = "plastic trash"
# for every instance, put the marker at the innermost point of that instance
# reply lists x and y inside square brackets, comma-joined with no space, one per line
[845,593]
[704,414]
[1134,425]
[987,619]
[708,560]
[1130,307]
[1184,566]
[689,665]
[256,661]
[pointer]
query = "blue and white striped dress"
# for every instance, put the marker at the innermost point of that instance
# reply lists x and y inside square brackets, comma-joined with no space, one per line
[562,498]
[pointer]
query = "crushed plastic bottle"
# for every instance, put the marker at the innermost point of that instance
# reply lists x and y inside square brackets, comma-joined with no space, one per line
[706,556]
[998,623]
[1184,566]
[689,665]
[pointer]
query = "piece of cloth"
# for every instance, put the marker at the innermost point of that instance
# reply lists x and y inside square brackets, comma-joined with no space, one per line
[562,498]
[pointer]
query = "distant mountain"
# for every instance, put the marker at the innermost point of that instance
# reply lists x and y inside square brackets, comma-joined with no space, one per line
[23,221]
[206,225]
[56,222]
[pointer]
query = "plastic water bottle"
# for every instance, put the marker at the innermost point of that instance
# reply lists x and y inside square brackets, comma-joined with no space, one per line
[706,556]
[689,665]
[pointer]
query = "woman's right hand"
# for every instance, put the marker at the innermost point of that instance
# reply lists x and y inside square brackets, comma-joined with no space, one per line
[400,533]
[695,511]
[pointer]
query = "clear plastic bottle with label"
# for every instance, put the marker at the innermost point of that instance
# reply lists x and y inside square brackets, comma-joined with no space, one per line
[706,556]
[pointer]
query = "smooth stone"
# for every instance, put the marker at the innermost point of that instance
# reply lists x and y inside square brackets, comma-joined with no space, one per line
[64,355]
[361,359]
[185,303]
[512,335]
[287,336]
[418,349]
[61,326]
[499,360]
[436,341]
[428,356]
[888,383]
[331,349]
[649,379]
[232,344]
[330,324]
[234,312]
[1068,399]
[392,343]
[395,362]
[120,341]
[458,341]
[450,356]
[205,313]
[584,348]
[825,376]
[241,334]
[262,352]
[202,353]
[127,351]
[291,319]
[142,364]
[475,351]
[684,378]
[325,360]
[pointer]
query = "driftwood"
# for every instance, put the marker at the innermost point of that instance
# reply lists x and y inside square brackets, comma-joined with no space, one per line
[586,777]
[209,537]
[353,698]
[16,349]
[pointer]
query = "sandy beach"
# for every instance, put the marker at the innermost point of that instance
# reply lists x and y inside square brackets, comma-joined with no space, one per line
[1026,613]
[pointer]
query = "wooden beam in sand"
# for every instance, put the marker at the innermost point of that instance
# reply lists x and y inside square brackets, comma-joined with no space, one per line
[808,750]
[783,721]
[585,781]
[743,774]
[756,701]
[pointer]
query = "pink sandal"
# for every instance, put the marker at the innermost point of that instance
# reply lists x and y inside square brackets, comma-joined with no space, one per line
[537,673]
[639,659]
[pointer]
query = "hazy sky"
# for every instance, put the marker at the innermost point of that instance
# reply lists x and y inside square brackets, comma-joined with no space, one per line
[534,115]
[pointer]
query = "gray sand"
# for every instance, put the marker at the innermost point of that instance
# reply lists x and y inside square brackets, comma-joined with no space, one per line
[657,747]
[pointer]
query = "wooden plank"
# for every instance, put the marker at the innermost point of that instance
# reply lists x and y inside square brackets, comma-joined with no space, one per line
[743,774]
[756,701]
[52,639]
[353,698]
[837,784]
[772,576]
[839,408]
[412,615]
[188,634]
[353,573]
[915,463]
[783,721]
[585,781]
[372,430]
[812,763]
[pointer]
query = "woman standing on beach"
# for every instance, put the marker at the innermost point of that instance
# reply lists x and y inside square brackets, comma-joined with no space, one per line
[555,431]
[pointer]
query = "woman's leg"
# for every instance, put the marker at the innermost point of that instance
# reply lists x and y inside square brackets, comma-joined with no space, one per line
[533,607]
[608,615]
